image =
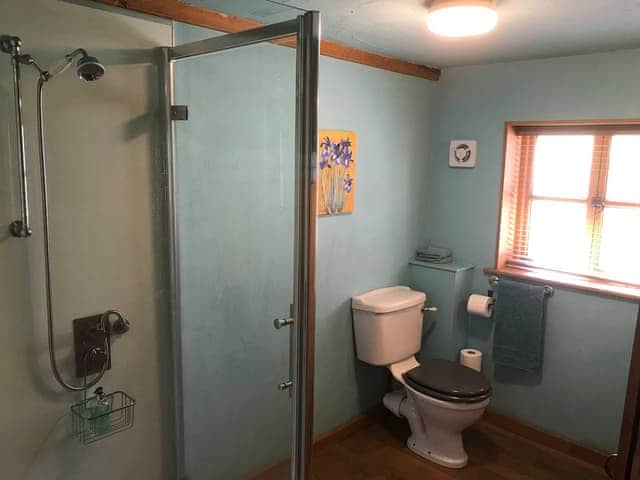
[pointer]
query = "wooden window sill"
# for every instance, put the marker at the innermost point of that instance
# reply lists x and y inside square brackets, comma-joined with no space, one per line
[576,282]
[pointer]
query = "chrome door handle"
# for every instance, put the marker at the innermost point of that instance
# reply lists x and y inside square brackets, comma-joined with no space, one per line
[278,323]
[285,385]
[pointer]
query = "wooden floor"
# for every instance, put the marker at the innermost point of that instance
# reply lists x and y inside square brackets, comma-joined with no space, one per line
[377,451]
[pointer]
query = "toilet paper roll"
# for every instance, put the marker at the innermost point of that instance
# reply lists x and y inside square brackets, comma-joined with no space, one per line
[471,358]
[480,305]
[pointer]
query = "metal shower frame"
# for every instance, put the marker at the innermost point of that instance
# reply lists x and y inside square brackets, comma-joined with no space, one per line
[306,29]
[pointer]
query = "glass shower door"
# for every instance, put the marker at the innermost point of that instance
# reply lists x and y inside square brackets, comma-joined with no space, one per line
[238,256]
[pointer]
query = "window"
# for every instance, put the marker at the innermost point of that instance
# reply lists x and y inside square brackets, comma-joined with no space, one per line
[571,203]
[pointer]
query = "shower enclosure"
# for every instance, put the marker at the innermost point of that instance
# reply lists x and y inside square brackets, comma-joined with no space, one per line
[240,121]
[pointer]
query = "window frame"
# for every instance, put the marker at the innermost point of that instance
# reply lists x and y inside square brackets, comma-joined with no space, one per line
[517,176]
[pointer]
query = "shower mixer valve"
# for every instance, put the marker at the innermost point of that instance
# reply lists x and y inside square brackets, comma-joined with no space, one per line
[90,336]
[92,340]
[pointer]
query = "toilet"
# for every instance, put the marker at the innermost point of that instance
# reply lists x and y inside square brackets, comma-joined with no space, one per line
[439,398]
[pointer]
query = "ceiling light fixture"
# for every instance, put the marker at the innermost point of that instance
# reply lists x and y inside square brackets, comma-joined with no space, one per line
[462,18]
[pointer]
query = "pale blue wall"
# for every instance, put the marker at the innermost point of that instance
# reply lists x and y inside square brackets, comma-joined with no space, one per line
[588,337]
[235,184]
[371,247]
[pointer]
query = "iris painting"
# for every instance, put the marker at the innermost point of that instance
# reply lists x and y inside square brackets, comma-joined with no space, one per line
[337,170]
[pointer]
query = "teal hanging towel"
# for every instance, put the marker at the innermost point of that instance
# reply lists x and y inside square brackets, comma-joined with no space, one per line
[519,325]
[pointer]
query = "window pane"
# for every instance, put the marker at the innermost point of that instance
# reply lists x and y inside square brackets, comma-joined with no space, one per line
[619,252]
[562,166]
[557,235]
[623,184]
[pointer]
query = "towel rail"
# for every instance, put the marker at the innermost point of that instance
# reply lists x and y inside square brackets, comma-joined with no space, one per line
[495,279]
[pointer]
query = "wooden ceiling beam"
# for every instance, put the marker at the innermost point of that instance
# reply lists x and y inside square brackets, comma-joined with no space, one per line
[203,17]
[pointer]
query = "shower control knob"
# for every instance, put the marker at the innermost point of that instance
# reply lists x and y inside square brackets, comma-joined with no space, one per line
[120,325]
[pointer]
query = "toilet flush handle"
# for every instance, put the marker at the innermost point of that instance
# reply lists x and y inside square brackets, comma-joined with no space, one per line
[430,309]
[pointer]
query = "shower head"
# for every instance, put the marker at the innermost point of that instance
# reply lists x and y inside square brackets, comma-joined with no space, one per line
[89,68]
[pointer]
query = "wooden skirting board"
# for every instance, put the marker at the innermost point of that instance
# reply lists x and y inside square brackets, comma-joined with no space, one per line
[344,430]
[544,437]
[204,17]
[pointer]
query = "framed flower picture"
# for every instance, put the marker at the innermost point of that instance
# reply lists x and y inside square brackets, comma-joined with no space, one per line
[336,172]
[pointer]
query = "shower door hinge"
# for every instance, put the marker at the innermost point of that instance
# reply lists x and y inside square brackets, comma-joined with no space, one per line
[179,112]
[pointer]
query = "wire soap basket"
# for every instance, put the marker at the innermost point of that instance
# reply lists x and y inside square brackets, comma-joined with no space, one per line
[102,415]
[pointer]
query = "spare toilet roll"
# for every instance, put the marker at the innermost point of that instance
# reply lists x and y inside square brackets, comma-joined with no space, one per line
[471,358]
[480,305]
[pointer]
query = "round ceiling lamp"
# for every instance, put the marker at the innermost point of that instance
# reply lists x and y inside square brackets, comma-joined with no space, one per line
[462,18]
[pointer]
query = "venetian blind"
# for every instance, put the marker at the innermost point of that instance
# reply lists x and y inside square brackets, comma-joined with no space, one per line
[571,201]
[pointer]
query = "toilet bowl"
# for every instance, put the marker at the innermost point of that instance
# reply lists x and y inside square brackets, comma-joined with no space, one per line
[438,398]
[444,423]
[438,417]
